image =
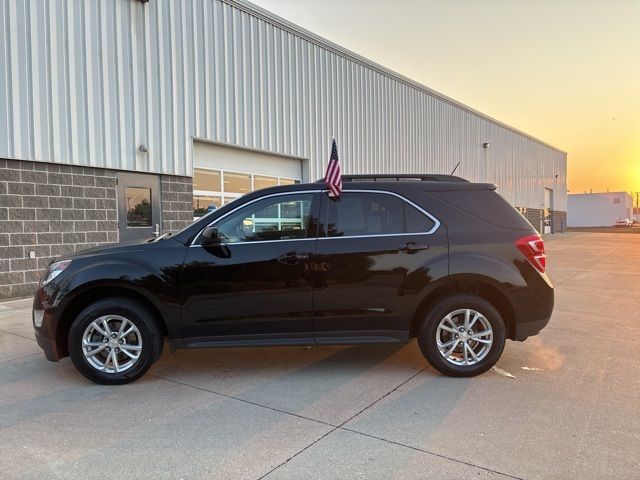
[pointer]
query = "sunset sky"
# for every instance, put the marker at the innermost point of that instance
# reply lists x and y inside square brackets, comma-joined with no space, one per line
[567,72]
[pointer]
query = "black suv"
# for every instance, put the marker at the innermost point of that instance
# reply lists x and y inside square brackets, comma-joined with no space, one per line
[434,257]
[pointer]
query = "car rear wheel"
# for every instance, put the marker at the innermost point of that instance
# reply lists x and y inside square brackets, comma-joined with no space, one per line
[114,341]
[462,335]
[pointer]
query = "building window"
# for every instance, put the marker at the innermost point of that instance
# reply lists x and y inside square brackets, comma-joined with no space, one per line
[214,188]
[260,181]
[138,207]
[237,182]
[203,204]
[207,180]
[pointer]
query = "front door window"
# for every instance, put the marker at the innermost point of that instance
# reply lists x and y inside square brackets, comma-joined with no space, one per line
[284,217]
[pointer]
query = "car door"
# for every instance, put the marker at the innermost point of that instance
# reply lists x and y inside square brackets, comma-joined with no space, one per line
[255,286]
[377,253]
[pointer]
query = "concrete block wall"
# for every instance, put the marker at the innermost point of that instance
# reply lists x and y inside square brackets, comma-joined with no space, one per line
[177,202]
[533,215]
[48,210]
[559,220]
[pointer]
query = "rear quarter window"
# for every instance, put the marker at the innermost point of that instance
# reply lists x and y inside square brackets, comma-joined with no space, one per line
[487,205]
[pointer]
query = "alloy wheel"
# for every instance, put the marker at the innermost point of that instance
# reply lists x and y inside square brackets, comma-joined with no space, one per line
[464,337]
[112,344]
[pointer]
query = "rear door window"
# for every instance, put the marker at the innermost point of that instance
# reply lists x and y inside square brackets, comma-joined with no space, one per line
[369,214]
[415,221]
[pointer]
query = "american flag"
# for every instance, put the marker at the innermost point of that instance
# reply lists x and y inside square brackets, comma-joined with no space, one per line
[333,177]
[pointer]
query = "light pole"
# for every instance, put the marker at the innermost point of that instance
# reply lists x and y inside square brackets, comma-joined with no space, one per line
[637,213]
[553,204]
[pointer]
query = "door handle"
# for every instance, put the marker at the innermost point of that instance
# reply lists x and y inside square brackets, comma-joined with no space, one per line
[413,247]
[292,258]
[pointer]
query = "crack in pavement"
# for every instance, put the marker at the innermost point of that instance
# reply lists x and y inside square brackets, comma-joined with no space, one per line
[208,390]
[340,426]
[432,453]
[18,335]
[336,427]
[5,307]
[569,278]
[18,358]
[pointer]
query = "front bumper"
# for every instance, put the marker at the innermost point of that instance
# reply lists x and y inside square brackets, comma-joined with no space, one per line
[48,345]
[46,333]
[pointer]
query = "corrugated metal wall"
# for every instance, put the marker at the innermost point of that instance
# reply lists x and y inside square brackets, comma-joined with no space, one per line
[86,82]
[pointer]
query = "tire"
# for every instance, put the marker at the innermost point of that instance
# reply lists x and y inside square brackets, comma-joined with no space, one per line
[455,307]
[144,342]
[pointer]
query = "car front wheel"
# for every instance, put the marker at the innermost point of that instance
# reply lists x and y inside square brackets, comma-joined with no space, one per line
[462,335]
[114,341]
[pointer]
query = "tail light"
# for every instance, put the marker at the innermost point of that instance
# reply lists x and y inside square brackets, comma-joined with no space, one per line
[532,246]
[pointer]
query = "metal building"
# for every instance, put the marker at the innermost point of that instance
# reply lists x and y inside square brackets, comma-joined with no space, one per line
[208,99]
[601,209]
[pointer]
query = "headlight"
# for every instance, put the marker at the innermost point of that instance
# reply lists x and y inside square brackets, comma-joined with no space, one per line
[55,269]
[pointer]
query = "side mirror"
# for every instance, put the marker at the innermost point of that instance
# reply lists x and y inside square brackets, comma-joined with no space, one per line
[210,236]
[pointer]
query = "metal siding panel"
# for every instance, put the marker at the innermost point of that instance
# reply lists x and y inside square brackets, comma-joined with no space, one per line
[184,114]
[217,78]
[34,78]
[16,34]
[76,83]
[135,75]
[107,82]
[174,90]
[5,98]
[151,81]
[197,50]
[87,82]
[208,96]
[160,97]
[227,67]
[184,118]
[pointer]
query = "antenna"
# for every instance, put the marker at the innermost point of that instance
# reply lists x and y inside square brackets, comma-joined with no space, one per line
[454,168]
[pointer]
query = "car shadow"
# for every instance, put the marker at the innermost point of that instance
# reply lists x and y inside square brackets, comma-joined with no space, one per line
[340,362]
[328,382]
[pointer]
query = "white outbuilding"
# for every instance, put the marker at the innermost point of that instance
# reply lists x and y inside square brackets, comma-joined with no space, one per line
[598,209]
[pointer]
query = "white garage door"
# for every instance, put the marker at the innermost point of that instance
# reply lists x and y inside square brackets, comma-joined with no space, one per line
[222,174]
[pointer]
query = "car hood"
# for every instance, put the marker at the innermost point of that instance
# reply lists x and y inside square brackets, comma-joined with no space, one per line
[116,248]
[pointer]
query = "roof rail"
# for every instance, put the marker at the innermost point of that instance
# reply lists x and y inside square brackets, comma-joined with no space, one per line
[415,177]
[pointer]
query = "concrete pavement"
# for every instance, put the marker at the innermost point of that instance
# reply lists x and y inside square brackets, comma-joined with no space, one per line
[351,412]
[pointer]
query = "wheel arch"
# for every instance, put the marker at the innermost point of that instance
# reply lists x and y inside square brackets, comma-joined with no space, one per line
[82,299]
[478,285]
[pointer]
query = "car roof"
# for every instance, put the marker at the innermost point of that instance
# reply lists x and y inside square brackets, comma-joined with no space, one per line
[384,182]
[398,184]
